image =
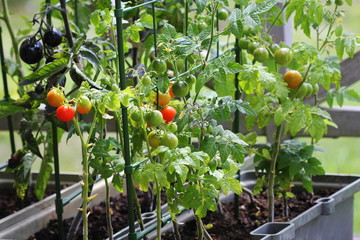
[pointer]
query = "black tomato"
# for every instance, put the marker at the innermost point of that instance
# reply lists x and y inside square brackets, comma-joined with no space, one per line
[31,51]
[53,37]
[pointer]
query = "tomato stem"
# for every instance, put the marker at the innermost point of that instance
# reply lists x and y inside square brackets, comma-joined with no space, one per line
[272,173]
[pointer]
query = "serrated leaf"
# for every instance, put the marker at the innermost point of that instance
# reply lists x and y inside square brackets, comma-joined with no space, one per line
[200,4]
[265,6]
[236,26]
[298,120]
[169,31]
[317,128]
[350,47]
[46,71]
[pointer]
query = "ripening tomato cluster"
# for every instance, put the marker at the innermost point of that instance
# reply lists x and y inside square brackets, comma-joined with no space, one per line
[65,112]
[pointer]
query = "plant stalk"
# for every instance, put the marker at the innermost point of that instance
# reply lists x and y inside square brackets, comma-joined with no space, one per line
[108,214]
[158,210]
[275,153]
[200,230]
[176,230]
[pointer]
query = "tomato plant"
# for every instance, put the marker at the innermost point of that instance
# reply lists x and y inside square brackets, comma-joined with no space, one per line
[161,54]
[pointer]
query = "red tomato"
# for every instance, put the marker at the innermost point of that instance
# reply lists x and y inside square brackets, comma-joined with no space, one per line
[168,113]
[65,113]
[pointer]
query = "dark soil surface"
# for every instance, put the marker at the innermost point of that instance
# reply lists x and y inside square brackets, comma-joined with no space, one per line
[251,216]
[97,219]
[10,203]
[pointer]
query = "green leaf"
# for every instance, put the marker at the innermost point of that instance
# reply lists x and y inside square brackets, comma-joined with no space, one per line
[169,31]
[265,6]
[317,127]
[200,4]
[236,26]
[207,146]
[46,71]
[298,120]
[7,108]
[339,46]
[349,2]
[42,179]
[352,95]
[145,21]
[338,30]
[90,56]
[118,182]
[134,32]
[319,14]
[112,101]
[350,47]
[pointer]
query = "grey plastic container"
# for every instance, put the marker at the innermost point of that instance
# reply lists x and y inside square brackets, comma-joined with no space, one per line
[330,218]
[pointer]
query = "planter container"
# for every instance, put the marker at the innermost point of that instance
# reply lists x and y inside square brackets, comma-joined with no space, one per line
[331,218]
[33,218]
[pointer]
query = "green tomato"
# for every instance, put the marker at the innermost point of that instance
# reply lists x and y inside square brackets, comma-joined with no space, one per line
[261,54]
[170,140]
[283,56]
[145,80]
[154,118]
[191,80]
[315,89]
[274,47]
[172,127]
[243,43]
[302,92]
[252,46]
[180,89]
[309,89]
[223,14]
[159,66]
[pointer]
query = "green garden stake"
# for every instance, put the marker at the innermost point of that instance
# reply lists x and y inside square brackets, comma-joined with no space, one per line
[154,27]
[6,94]
[236,123]
[186,28]
[58,200]
[128,167]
